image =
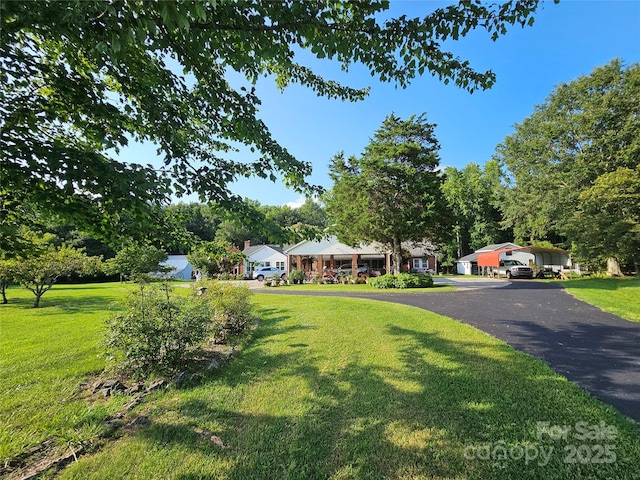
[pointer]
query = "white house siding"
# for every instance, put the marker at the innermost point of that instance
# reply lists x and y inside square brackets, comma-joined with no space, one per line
[464,268]
[263,257]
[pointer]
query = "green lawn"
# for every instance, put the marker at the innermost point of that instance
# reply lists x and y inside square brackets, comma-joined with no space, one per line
[620,296]
[352,388]
[45,354]
[327,388]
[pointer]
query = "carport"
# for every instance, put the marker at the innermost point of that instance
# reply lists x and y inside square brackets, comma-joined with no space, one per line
[551,260]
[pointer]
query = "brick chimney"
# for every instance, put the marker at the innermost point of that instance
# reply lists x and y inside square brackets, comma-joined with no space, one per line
[247,244]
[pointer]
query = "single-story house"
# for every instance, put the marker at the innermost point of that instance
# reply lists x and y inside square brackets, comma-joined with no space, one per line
[262,256]
[315,256]
[422,258]
[180,267]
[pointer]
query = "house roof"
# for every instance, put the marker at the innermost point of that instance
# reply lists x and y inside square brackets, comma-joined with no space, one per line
[178,262]
[419,249]
[497,246]
[331,246]
[254,248]
[542,256]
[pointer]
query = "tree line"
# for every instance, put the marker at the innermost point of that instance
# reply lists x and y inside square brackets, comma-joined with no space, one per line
[80,80]
[569,177]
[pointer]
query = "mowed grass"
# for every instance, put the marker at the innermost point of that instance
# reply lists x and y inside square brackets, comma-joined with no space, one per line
[620,296]
[360,288]
[45,354]
[337,388]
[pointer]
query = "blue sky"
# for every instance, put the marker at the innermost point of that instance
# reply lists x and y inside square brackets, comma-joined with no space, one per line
[567,40]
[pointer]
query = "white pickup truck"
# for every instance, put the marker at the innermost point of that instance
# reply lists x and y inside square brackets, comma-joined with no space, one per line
[513,269]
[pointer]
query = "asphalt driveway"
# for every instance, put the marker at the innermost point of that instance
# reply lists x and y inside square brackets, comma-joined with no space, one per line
[597,350]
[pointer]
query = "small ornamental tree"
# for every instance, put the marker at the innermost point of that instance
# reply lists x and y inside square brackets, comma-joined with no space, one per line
[135,260]
[38,273]
[214,257]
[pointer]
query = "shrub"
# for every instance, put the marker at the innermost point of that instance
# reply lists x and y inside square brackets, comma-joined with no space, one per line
[230,308]
[157,332]
[403,280]
[383,281]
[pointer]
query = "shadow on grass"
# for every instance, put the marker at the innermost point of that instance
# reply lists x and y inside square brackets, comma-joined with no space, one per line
[425,417]
[66,298]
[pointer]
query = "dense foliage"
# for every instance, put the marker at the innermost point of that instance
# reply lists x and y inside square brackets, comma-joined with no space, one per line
[80,80]
[135,260]
[391,193]
[214,257]
[473,196]
[584,137]
[402,280]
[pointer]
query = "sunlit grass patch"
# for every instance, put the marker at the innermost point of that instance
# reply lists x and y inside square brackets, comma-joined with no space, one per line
[353,388]
[620,296]
[45,354]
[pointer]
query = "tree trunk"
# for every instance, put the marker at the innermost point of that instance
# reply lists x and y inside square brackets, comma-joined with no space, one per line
[36,304]
[397,256]
[613,267]
[3,289]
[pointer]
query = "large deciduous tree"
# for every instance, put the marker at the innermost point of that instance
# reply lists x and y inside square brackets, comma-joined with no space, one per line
[80,79]
[586,128]
[473,194]
[607,220]
[391,193]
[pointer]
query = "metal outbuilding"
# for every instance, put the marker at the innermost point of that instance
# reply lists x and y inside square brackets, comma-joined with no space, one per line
[554,259]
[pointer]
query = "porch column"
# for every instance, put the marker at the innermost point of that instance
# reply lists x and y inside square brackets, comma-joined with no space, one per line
[354,265]
[299,262]
[332,262]
[320,265]
[387,261]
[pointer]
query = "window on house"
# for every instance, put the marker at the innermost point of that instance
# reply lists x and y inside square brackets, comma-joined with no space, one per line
[417,263]
[266,264]
[280,265]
